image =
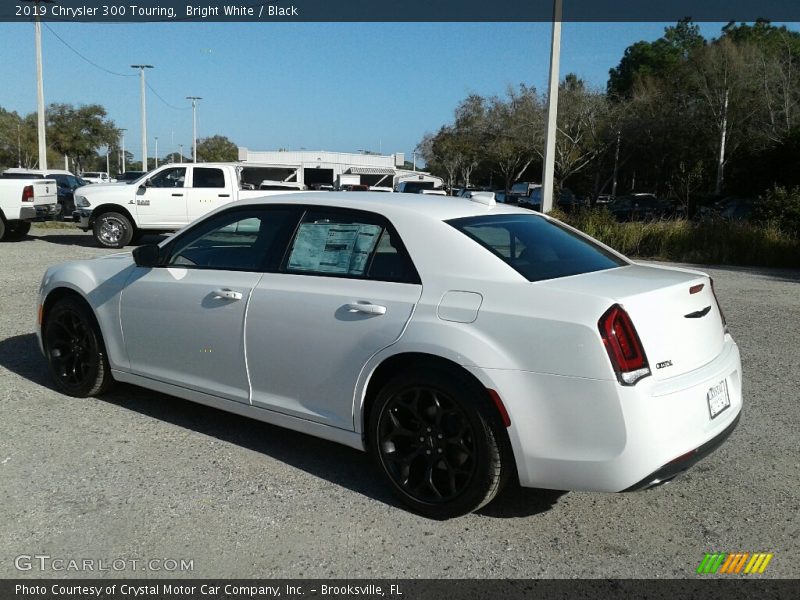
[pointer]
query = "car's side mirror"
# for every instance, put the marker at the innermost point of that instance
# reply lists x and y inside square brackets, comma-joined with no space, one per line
[147,256]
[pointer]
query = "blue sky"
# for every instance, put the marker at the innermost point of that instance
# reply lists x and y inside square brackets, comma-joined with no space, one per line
[332,86]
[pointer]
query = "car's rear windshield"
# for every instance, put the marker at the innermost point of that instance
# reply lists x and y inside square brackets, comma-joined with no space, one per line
[536,248]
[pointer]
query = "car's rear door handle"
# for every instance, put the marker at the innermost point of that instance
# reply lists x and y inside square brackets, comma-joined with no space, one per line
[224,195]
[365,307]
[177,194]
[227,294]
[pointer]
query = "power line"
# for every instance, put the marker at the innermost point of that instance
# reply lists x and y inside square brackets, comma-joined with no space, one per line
[110,72]
[88,60]
[157,95]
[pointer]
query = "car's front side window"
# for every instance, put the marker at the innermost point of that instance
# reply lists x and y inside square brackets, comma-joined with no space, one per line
[236,240]
[169,178]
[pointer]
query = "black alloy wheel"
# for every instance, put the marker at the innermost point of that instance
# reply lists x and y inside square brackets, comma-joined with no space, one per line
[438,444]
[74,349]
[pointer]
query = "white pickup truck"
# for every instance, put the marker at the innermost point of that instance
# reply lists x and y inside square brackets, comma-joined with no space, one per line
[162,200]
[23,201]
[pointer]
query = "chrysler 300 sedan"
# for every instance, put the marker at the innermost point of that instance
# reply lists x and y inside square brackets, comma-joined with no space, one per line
[461,342]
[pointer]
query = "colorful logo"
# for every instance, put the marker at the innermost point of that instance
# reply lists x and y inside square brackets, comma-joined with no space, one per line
[734,563]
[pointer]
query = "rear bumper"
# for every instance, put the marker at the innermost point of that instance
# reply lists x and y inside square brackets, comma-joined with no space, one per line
[38,211]
[681,464]
[569,433]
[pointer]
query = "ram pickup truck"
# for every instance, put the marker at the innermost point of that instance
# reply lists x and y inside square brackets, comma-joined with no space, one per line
[163,200]
[23,201]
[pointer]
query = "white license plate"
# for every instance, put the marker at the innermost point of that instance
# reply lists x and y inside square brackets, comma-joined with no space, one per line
[718,399]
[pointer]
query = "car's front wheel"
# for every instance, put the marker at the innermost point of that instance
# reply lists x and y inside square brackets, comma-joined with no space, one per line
[74,348]
[113,230]
[437,441]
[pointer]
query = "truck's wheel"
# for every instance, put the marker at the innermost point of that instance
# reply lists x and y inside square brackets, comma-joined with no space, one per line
[2,229]
[16,230]
[113,230]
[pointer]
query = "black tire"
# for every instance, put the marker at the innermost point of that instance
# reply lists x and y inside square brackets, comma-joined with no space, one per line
[113,230]
[17,230]
[2,228]
[75,350]
[439,442]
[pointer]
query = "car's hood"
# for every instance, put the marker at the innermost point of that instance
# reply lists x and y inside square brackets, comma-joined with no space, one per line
[95,188]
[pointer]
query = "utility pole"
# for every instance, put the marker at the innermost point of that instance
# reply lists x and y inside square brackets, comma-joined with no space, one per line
[108,161]
[414,154]
[144,113]
[19,146]
[194,100]
[156,152]
[40,116]
[122,135]
[181,147]
[552,112]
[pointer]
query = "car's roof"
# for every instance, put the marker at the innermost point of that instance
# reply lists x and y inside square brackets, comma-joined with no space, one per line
[434,207]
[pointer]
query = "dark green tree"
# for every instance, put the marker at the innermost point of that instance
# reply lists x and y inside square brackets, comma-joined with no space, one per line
[216,148]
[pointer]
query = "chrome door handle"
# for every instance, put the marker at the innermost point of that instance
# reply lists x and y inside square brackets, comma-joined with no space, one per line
[227,294]
[365,307]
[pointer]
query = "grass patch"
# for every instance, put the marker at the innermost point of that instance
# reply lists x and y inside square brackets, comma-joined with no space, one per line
[717,242]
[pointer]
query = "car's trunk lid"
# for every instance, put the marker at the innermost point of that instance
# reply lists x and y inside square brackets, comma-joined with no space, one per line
[674,312]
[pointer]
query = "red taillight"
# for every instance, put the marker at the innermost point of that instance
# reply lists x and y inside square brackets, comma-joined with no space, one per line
[719,308]
[27,193]
[623,345]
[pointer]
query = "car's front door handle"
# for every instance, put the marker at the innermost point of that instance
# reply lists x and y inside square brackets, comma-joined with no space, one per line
[365,307]
[227,294]
[224,195]
[177,194]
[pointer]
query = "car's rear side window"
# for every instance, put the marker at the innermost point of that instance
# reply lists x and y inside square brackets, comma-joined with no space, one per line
[536,248]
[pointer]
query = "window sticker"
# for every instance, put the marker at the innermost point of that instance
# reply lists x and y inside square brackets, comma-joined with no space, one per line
[333,247]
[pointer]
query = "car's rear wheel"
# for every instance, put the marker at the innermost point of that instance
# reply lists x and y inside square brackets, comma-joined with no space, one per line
[113,230]
[16,230]
[75,351]
[438,443]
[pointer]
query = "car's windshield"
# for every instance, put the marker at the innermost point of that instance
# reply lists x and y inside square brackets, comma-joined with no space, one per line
[535,247]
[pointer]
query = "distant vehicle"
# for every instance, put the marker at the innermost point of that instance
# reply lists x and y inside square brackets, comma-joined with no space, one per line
[414,186]
[321,187]
[640,207]
[130,176]
[379,188]
[522,192]
[97,177]
[345,179]
[738,209]
[23,200]
[605,199]
[281,186]
[66,183]
[165,199]
[355,188]
[434,192]
[567,201]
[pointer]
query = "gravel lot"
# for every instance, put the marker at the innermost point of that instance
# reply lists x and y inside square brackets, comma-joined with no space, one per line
[139,475]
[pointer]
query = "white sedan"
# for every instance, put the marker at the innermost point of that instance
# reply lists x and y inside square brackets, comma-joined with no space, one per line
[461,342]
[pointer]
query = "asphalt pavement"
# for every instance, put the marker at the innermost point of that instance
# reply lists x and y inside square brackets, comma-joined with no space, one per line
[138,476]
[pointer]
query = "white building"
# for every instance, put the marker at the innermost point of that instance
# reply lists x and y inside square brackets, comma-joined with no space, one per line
[315,168]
